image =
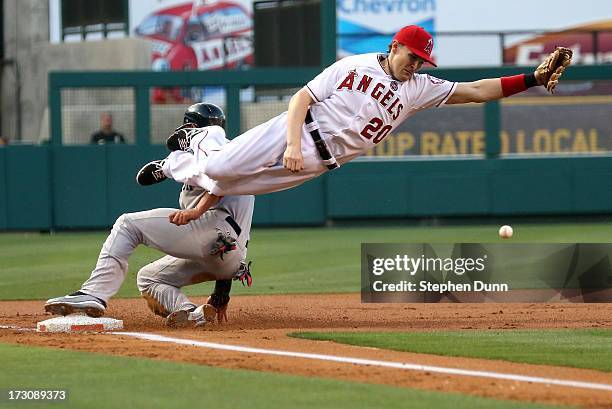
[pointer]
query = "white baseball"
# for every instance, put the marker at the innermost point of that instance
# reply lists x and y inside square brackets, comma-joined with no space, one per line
[505,232]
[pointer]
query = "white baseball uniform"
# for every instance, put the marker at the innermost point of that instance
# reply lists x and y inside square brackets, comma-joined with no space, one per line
[356,106]
[188,260]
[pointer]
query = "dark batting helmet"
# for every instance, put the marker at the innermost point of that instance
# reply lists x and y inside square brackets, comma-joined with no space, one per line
[203,114]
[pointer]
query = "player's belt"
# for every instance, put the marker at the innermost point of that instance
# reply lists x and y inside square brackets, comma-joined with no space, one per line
[324,153]
[234,225]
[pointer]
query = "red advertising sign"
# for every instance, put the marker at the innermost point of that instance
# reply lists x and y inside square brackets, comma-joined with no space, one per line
[591,44]
[197,36]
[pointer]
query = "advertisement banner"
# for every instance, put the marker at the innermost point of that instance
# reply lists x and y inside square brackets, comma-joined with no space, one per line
[365,26]
[540,125]
[194,35]
[198,35]
[368,26]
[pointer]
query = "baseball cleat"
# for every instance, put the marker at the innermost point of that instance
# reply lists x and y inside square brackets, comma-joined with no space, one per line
[151,173]
[181,139]
[75,303]
[197,317]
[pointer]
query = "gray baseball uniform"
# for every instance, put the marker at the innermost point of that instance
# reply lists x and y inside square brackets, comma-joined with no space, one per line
[187,247]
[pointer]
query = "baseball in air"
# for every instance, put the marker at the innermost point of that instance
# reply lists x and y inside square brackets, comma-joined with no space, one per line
[505,232]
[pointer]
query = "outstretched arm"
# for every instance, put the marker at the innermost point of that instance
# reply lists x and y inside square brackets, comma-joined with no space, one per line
[547,73]
[298,106]
[492,88]
[477,91]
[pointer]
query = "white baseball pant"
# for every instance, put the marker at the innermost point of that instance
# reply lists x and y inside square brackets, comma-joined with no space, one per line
[250,164]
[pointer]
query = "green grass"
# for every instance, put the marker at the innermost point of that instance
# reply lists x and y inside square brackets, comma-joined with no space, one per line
[98,381]
[297,260]
[579,348]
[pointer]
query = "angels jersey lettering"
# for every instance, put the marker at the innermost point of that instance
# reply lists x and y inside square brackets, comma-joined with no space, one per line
[358,104]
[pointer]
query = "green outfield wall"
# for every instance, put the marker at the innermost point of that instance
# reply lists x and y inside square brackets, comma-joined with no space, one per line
[46,187]
[80,187]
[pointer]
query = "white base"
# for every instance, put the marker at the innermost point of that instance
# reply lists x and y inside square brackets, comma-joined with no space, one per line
[79,323]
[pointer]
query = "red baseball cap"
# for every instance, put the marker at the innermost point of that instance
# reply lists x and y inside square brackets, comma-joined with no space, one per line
[417,40]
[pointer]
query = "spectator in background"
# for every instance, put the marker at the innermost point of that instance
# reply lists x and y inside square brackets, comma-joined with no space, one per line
[3,141]
[106,134]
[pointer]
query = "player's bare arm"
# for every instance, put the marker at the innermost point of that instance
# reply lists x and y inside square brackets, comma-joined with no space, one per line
[181,217]
[298,106]
[477,91]
[547,74]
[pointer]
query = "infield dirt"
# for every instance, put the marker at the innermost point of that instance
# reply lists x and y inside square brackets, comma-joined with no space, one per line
[264,321]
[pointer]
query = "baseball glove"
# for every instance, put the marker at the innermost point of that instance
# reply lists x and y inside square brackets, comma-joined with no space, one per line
[551,69]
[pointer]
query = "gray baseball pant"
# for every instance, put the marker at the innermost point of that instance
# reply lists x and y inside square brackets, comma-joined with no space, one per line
[187,262]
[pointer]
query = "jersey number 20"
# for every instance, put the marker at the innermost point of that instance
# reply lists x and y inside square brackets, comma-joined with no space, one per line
[376,130]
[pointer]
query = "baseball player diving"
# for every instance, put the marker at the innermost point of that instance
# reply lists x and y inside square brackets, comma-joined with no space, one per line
[339,115]
[211,247]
